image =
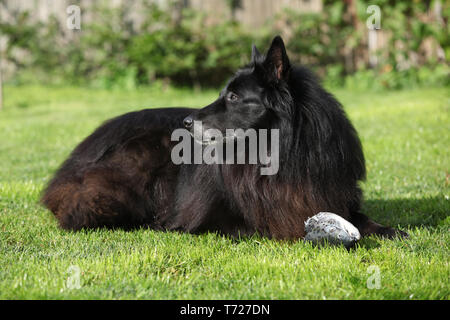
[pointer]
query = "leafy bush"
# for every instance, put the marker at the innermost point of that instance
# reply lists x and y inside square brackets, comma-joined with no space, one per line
[187,54]
[334,43]
[112,51]
[109,52]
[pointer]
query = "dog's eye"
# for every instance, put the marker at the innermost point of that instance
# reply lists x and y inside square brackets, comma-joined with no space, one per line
[232,97]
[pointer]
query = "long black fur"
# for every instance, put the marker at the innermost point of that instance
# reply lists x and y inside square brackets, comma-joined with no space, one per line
[122,176]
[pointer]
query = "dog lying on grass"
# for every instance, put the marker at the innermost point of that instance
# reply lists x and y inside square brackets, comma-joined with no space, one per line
[122,175]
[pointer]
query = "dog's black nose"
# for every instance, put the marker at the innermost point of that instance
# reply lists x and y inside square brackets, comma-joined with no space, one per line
[188,122]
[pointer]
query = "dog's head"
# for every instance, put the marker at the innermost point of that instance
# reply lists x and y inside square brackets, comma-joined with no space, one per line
[245,103]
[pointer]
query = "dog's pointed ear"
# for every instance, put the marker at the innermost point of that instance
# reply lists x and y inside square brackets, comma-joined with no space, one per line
[277,62]
[255,54]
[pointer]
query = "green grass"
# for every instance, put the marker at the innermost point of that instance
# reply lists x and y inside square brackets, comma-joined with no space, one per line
[406,139]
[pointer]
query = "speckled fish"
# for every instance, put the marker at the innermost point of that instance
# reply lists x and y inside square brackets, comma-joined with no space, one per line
[331,227]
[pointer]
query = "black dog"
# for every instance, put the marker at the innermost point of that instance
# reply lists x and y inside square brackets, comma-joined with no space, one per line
[122,175]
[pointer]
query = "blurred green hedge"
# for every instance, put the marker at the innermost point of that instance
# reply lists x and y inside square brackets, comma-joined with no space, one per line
[188,52]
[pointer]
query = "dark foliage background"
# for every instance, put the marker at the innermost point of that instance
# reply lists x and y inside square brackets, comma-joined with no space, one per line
[187,51]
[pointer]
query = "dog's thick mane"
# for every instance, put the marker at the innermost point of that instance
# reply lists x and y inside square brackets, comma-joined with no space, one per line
[321,159]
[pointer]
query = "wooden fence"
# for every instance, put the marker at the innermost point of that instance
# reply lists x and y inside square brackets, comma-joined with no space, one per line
[252,13]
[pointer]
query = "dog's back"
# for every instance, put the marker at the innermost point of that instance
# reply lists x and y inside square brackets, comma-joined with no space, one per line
[107,178]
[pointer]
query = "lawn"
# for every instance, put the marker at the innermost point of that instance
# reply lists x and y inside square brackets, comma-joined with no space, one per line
[406,139]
